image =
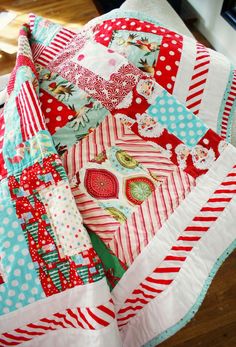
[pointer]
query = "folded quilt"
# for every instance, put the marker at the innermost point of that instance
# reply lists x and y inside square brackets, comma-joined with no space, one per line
[117,195]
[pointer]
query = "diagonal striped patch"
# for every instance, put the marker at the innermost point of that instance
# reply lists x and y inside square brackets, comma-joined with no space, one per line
[127,240]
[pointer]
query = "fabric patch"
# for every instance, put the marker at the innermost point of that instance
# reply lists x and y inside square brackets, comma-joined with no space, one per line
[177,119]
[227,108]
[76,318]
[70,113]
[139,47]
[102,61]
[194,160]
[54,85]
[138,189]
[109,92]
[44,30]
[56,113]
[129,231]
[118,183]
[114,268]
[37,176]
[24,47]
[196,88]
[21,283]
[65,218]
[31,151]
[101,184]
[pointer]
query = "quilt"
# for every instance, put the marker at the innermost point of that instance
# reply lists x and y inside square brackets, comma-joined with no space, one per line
[118,182]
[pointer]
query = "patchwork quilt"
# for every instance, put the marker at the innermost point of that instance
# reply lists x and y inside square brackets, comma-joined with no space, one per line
[118,182]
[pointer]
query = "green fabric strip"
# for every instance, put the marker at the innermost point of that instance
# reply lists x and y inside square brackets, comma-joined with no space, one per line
[114,268]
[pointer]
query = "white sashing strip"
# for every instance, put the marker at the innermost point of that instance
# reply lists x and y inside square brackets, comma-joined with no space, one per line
[217,79]
[185,71]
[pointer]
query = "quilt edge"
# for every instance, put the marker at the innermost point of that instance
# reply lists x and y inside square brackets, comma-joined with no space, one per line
[194,309]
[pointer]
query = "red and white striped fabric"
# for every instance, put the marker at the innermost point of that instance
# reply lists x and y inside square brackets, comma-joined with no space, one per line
[199,79]
[56,45]
[32,120]
[37,50]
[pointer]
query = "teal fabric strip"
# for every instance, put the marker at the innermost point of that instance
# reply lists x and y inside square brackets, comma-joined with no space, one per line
[231,120]
[220,115]
[177,119]
[193,310]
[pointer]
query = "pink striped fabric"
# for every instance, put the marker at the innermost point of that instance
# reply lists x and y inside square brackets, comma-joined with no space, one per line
[132,237]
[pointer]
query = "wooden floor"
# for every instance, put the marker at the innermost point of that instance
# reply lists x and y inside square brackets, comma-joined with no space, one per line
[215,322]
[71,13]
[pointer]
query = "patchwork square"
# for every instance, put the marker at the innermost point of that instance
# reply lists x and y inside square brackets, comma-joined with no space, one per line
[114,214]
[44,30]
[102,61]
[117,182]
[70,112]
[177,119]
[140,48]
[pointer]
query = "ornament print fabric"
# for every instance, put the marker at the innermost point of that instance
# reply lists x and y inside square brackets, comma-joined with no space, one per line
[117,195]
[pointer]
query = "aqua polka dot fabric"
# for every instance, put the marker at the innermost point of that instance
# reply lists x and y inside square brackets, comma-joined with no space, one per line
[22,284]
[177,119]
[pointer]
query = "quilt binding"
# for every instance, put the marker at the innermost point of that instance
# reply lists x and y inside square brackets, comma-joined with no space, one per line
[193,310]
